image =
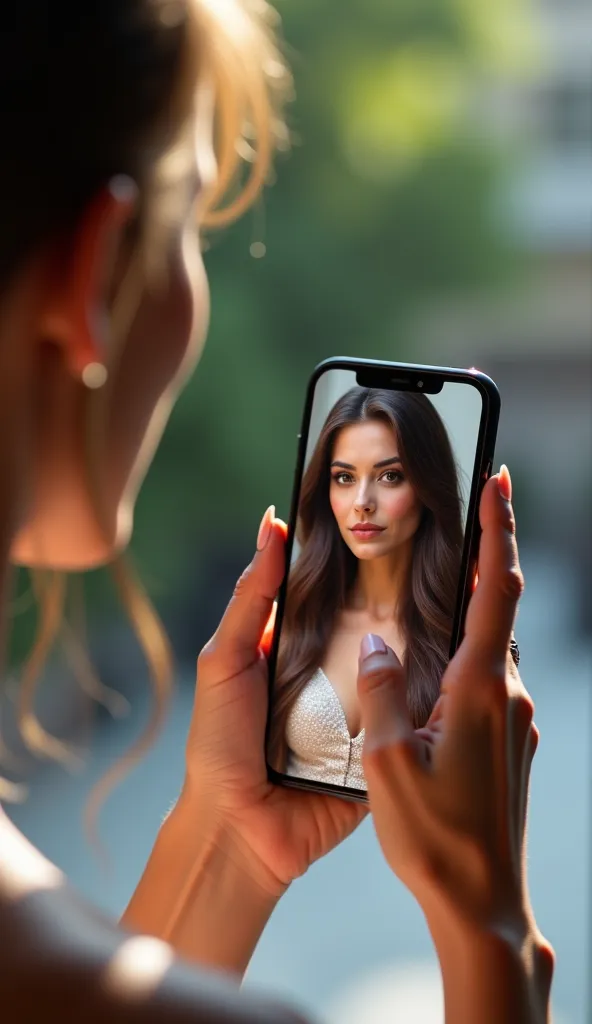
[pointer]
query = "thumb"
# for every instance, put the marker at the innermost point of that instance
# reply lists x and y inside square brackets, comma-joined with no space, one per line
[382,693]
[235,644]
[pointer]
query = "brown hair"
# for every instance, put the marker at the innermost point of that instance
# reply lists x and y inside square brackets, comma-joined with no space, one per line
[96,90]
[325,570]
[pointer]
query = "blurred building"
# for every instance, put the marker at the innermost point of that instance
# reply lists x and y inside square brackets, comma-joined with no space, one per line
[537,341]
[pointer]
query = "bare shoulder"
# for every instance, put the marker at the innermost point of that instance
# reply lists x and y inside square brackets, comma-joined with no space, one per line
[62,960]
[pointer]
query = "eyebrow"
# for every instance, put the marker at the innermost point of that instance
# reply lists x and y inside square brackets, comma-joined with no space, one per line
[377,465]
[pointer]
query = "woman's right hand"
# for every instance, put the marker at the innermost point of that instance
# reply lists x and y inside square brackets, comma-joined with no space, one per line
[449,801]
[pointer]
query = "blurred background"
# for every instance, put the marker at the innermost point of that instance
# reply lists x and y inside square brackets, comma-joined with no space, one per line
[436,206]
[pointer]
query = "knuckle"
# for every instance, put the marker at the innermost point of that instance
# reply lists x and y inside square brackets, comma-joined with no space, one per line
[205,653]
[375,763]
[525,707]
[534,737]
[512,583]
[374,678]
[510,520]
[545,958]
[243,582]
[386,762]
[496,691]
[206,656]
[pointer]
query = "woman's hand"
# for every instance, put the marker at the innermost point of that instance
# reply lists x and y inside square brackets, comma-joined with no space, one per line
[449,801]
[234,842]
[276,832]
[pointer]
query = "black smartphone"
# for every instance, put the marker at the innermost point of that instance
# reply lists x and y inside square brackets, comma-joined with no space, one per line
[383,538]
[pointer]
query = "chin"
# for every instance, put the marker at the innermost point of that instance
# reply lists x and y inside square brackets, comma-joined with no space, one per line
[366,552]
[367,556]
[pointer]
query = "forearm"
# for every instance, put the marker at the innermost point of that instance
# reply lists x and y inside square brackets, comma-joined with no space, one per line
[494,976]
[195,894]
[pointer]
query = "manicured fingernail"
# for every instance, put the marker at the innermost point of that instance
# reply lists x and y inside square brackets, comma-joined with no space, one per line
[504,483]
[372,644]
[265,528]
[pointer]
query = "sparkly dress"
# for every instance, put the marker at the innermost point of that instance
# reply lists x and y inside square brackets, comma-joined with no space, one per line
[320,747]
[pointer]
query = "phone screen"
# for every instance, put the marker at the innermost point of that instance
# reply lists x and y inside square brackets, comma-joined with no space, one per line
[382,508]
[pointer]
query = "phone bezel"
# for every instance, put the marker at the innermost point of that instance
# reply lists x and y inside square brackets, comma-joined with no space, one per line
[484,454]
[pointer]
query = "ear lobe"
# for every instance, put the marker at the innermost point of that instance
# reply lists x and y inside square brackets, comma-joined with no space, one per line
[74,317]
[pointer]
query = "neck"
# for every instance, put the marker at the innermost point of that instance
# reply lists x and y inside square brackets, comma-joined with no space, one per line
[380,584]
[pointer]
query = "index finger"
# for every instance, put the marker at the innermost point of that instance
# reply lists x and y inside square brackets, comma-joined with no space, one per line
[492,609]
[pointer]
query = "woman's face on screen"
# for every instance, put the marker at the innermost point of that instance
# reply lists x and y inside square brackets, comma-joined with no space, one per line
[376,508]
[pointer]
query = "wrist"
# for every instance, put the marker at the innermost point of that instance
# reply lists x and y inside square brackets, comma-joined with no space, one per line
[499,971]
[197,892]
[222,827]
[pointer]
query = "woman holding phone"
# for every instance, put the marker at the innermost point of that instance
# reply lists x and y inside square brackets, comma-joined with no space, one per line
[109,167]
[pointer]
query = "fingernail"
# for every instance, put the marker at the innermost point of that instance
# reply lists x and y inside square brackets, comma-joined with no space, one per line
[372,644]
[265,528]
[504,482]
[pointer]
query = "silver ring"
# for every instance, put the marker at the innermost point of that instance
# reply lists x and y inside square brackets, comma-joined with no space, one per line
[515,651]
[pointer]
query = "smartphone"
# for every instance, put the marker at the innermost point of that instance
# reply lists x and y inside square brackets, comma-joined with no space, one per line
[383,537]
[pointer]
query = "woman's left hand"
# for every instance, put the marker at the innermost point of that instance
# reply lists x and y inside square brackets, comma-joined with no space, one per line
[275,832]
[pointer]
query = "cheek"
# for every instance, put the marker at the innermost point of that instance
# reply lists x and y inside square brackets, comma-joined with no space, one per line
[162,349]
[340,504]
[401,505]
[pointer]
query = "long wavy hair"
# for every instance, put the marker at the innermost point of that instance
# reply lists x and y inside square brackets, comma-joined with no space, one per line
[323,575]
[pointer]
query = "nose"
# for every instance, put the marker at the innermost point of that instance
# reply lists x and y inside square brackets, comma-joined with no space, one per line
[364,502]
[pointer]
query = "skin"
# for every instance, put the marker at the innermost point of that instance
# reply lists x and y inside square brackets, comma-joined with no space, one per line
[233,842]
[364,491]
[368,485]
[66,292]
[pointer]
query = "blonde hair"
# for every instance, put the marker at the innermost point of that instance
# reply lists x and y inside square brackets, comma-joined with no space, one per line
[231,46]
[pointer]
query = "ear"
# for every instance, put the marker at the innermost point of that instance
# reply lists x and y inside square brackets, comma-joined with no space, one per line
[74,316]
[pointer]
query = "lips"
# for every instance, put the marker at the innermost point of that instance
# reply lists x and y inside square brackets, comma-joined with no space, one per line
[365,528]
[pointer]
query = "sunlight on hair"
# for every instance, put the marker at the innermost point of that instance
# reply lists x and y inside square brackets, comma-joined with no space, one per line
[83,671]
[252,85]
[50,592]
[157,651]
[138,967]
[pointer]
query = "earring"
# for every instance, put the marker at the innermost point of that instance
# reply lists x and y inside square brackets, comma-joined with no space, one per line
[94,376]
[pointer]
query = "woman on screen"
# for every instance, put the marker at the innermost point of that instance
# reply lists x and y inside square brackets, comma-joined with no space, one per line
[380,532]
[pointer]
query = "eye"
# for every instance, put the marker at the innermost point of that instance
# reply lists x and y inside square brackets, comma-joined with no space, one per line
[392,476]
[342,477]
